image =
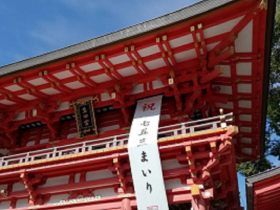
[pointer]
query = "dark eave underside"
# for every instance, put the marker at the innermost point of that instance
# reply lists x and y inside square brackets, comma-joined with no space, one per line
[129,32]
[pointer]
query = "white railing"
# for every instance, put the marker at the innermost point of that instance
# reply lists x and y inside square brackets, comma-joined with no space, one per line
[115,141]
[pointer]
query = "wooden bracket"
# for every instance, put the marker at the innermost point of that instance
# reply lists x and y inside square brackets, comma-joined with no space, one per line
[120,172]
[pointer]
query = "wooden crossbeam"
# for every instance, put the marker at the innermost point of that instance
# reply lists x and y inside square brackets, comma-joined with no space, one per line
[105,68]
[110,67]
[219,58]
[12,97]
[119,96]
[168,49]
[235,31]
[55,83]
[133,60]
[139,59]
[212,75]
[81,76]
[30,89]
[163,52]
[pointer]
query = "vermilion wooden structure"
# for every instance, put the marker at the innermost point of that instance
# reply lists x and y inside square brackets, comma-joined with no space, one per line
[263,190]
[208,56]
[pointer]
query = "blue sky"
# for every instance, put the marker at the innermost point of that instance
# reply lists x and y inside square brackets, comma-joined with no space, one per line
[32,27]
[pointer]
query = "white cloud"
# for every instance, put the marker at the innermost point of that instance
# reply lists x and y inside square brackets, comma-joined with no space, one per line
[129,12]
[92,18]
[56,32]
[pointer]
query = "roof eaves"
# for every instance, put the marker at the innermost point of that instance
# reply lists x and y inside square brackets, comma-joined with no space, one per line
[264,175]
[165,20]
[251,180]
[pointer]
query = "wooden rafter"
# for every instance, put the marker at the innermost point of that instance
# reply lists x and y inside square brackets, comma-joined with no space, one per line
[81,75]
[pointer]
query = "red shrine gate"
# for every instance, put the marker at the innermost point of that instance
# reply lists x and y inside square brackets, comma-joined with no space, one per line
[209,56]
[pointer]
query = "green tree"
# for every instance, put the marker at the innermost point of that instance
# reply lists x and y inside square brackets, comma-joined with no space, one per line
[273,110]
[250,168]
[273,105]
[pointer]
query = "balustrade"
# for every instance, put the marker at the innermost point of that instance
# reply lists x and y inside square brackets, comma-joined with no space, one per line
[116,141]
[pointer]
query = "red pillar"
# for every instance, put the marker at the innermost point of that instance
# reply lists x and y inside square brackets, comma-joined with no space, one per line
[199,204]
[126,204]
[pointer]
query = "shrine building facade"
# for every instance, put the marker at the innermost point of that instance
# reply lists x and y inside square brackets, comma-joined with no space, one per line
[153,116]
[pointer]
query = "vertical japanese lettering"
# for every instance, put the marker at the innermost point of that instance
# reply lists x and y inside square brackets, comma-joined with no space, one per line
[149,187]
[144,157]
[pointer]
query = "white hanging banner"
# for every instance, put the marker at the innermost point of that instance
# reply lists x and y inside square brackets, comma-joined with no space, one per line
[144,156]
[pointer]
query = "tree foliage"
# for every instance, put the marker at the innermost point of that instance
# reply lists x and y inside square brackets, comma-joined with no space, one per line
[273,108]
[250,168]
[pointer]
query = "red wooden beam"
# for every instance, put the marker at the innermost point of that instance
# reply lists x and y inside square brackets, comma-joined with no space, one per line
[235,31]
[110,66]
[218,59]
[212,75]
[163,52]
[133,60]
[140,61]
[55,83]
[31,89]
[168,49]
[81,76]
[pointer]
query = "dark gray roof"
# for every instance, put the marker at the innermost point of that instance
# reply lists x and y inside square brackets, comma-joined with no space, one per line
[251,180]
[168,19]
[264,175]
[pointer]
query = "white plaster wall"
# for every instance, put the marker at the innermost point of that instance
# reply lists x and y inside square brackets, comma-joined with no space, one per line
[246,129]
[22,203]
[3,186]
[77,178]
[171,164]
[58,198]
[101,174]
[4,151]
[63,106]
[109,128]
[158,84]
[71,135]
[5,204]
[20,116]
[105,192]
[247,150]
[137,89]
[244,42]
[17,187]
[42,141]
[165,117]
[30,143]
[173,184]
[61,180]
